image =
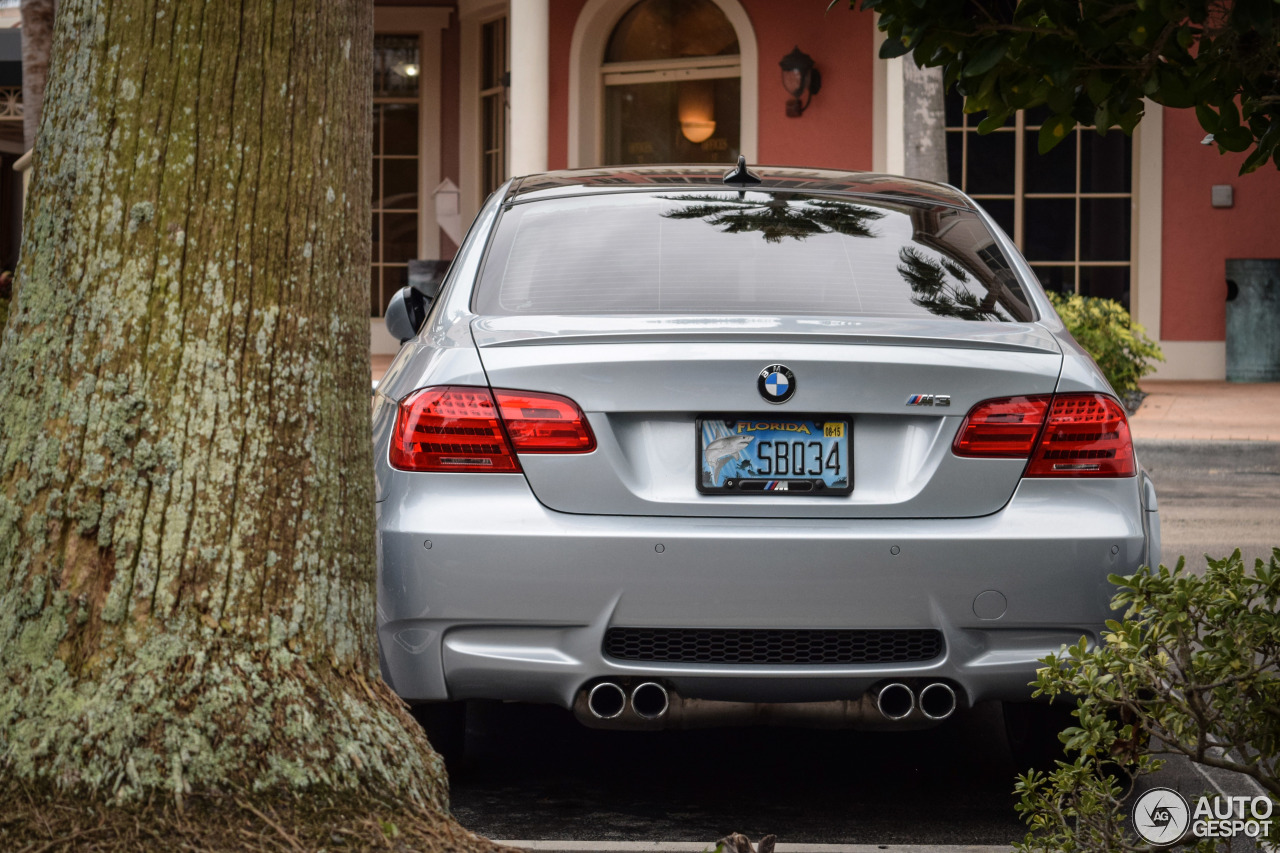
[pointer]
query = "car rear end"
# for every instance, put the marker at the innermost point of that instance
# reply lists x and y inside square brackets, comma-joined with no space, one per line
[669,452]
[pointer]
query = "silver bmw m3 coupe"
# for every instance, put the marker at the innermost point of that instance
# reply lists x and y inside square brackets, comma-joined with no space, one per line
[673,447]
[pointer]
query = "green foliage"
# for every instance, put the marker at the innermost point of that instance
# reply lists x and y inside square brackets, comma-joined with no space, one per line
[1094,61]
[1104,328]
[1191,670]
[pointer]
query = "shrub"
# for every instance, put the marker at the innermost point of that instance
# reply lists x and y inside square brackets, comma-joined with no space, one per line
[1106,331]
[1191,670]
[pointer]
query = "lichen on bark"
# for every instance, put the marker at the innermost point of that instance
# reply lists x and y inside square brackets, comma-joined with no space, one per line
[186,496]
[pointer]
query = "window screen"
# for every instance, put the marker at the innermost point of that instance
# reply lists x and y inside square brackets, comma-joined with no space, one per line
[731,253]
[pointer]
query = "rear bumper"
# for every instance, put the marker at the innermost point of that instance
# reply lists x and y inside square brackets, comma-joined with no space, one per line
[511,600]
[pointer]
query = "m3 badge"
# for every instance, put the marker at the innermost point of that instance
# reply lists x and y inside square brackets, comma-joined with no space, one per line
[929,400]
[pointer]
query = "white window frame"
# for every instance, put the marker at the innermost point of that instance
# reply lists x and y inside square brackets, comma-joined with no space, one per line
[503,91]
[427,24]
[472,16]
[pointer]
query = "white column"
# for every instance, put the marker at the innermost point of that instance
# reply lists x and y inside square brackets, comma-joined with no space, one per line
[888,147]
[1145,297]
[530,57]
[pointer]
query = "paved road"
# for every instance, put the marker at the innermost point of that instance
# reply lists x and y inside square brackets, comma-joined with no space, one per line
[534,773]
[1215,497]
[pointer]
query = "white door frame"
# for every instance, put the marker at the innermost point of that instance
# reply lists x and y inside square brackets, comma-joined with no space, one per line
[586,84]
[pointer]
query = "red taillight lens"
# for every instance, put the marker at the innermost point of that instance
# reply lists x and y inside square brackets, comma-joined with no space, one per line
[1087,435]
[450,428]
[1072,435]
[1005,428]
[544,423]
[457,428]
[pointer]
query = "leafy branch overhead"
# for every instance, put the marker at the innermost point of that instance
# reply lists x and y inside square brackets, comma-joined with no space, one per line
[1093,62]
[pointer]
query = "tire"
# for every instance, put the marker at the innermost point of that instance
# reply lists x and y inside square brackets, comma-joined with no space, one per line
[1032,729]
[445,724]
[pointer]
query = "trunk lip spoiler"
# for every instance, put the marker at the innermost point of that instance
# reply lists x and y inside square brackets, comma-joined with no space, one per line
[562,330]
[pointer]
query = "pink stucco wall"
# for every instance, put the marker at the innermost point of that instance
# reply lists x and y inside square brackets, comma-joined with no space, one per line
[1198,238]
[564,16]
[835,132]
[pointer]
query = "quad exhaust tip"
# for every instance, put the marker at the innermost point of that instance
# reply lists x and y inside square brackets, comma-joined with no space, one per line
[607,701]
[895,701]
[650,701]
[937,701]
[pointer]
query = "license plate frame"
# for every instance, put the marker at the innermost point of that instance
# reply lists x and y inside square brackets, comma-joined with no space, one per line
[808,429]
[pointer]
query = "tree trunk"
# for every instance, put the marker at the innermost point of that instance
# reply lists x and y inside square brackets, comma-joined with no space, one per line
[924,122]
[186,493]
[37,36]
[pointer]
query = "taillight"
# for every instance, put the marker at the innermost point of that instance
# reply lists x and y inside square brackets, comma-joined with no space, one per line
[450,428]
[1006,428]
[1066,435]
[1087,435]
[458,428]
[544,423]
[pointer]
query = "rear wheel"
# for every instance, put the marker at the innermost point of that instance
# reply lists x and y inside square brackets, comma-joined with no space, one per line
[1032,730]
[445,724]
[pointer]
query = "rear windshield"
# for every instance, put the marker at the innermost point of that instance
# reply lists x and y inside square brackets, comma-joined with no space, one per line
[731,253]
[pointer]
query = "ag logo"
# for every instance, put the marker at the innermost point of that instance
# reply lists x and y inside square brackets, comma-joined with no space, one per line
[776,383]
[1161,816]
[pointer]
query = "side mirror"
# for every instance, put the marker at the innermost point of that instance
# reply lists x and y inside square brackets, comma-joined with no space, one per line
[409,306]
[405,313]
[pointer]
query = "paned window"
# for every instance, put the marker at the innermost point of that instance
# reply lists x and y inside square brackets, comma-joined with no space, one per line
[1069,211]
[494,79]
[396,154]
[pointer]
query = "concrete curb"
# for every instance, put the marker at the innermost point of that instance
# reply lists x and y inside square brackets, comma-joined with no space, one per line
[1231,445]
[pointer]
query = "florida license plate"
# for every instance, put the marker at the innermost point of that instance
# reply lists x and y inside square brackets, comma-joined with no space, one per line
[775,456]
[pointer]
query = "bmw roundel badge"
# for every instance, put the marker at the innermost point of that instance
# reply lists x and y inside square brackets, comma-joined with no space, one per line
[777,384]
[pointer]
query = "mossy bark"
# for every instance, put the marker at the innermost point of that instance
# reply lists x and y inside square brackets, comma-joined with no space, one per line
[186,495]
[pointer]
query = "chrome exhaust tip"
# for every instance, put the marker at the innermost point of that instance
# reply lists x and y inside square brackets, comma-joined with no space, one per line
[895,701]
[606,701]
[650,701]
[937,701]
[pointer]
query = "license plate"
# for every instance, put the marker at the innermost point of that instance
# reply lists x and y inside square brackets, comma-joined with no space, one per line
[775,456]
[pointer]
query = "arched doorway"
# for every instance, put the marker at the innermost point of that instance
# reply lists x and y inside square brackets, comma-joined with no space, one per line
[660,81]
[672,85]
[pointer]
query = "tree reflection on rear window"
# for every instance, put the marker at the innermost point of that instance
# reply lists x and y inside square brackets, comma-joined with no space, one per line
[747,253]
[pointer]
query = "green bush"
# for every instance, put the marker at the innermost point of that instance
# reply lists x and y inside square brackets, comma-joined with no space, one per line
[1191,670]
[1106,331]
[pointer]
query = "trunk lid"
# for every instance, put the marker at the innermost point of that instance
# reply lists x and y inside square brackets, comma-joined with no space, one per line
[644,381]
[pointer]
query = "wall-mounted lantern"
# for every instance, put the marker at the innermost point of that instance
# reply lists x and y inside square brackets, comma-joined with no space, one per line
[799,78]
